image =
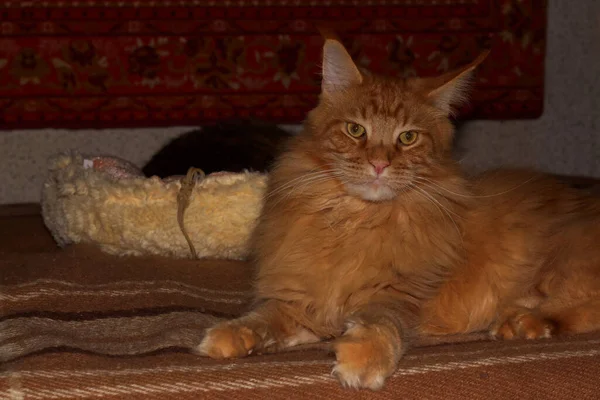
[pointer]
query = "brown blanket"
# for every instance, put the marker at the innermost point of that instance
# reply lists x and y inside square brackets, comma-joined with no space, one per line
[76,323]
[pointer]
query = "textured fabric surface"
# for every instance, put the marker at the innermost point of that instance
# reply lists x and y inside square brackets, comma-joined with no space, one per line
[70,63]
[139,216]
[83,317]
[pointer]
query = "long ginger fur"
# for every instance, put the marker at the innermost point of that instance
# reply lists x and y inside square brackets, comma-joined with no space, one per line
[371,234]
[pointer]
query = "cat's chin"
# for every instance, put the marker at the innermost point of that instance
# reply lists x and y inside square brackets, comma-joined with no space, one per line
[371,192]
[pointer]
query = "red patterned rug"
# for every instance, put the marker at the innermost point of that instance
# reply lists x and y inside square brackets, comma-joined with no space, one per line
[115,63]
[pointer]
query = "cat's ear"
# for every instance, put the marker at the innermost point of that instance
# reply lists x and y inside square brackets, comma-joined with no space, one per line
[451,89]
[339,71]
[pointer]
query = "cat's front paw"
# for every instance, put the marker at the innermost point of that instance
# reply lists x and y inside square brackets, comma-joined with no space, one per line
[364,358]
[523,325]
[228,340]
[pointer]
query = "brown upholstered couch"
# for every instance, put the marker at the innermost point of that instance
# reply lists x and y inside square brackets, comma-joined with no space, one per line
[77,324]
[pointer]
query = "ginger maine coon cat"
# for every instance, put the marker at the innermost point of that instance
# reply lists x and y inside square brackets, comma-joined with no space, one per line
[371,234]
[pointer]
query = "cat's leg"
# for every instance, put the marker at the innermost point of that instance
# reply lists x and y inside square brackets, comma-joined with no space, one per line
[522,323]
[369,350]
[268,326]
[580,318]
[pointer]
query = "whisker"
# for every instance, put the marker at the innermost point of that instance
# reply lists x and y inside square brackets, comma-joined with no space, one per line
[310,181]
[303,184]
[422,179]
[440,208]
[298,180]
[438,192]
[439,202]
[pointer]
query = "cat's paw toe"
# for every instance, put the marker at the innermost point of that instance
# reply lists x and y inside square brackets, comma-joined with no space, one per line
[363,361]
[227,341]
[523,326]
[355,377]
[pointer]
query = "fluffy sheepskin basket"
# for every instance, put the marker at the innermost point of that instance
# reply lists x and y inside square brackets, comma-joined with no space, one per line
[108,202]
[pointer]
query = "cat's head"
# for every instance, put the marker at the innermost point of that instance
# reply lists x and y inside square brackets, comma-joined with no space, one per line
[380,135]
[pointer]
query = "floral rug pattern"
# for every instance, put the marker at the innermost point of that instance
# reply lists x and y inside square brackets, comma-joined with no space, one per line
[118,63]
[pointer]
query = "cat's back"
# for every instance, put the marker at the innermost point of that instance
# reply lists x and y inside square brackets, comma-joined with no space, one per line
[521,217]
[522,192]
[524,229]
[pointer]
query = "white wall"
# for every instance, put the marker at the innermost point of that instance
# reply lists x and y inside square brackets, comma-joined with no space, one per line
[565,140]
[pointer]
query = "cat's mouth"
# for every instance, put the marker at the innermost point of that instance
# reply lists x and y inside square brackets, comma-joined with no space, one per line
[377,189]
[378,181]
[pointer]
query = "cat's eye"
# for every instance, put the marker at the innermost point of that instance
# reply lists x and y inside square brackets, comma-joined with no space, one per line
[407,138]
[355,130]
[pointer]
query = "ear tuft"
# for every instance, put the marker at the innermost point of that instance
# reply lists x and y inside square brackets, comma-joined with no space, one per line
[451,89]
[339,71]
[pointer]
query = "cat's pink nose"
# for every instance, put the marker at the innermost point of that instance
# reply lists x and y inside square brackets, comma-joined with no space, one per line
[379,165]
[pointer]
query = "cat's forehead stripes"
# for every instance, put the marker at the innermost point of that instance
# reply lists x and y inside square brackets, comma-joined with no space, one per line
[383,100]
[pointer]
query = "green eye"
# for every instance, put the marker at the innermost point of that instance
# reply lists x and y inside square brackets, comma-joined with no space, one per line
[409,137]
[355,130]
